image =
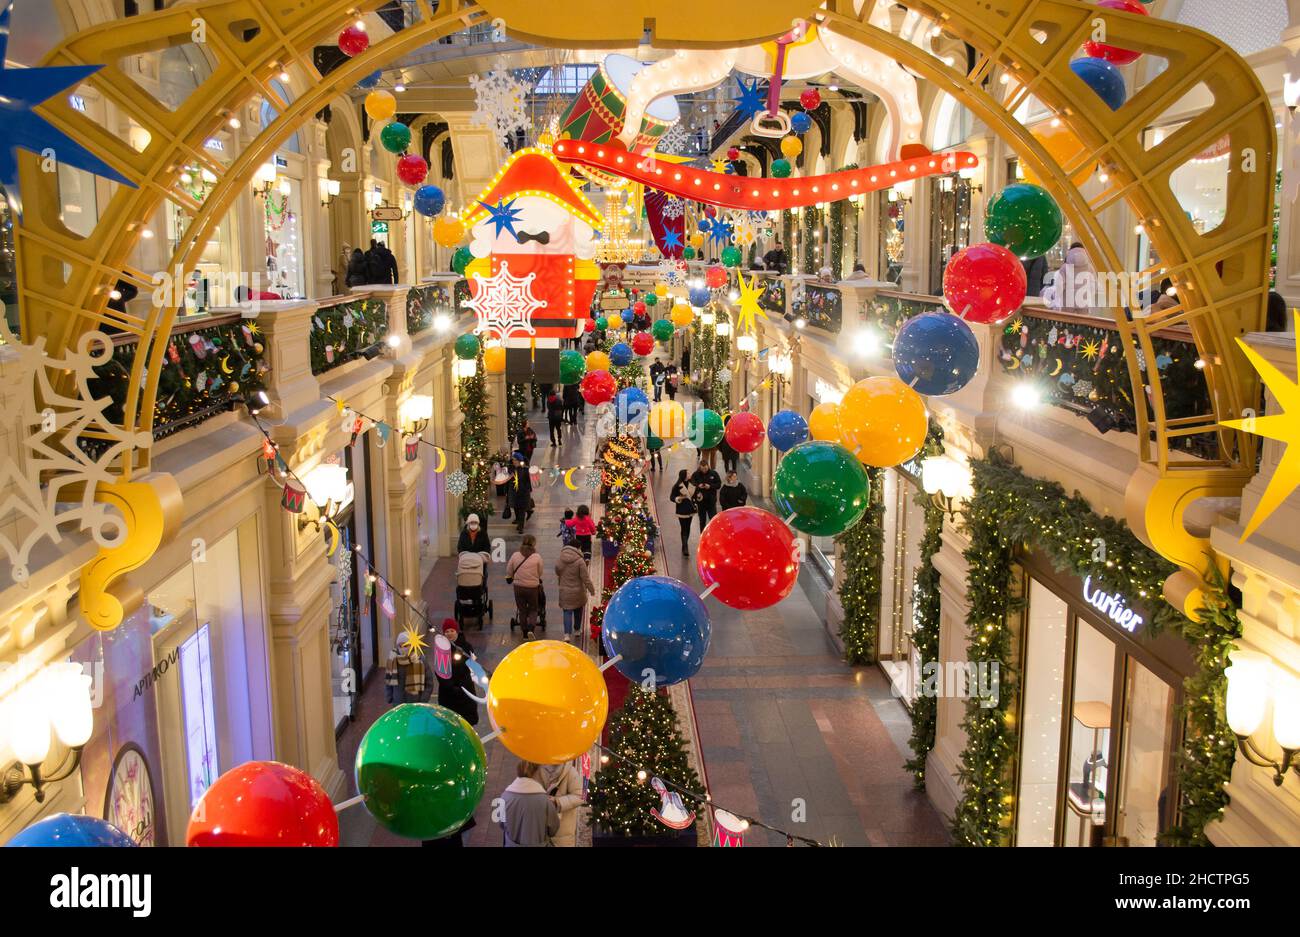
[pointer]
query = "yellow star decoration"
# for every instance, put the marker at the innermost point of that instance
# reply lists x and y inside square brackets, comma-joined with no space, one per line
[1090,349]
[719,165]
[750,310]
[415,641]
[1283,427]
[1016,325]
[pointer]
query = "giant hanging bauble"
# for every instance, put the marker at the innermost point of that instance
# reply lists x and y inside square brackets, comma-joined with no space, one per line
[494,359]
[936,353]
[1024,219]
[662,330]
[1101,50]
[744,431]
[1104,78]
[824,486]
[704,428]
[650,298]
[643,343]
[1064,146]
[263,803]
[395,137]
[984,283]
[598,387]
[412,169]
[810,98]
[620,354]
[448,232]
[460,259]
[597,361]
[352,42]
[667,419]
[372,80]
[699,296]
[750,556]
[824,422]
[615,321]
[380,105]
[588,325]
[697,241]
[791,147]
[715,276]
[549,701]
[602,323]
[466,347]
[572,367]
[682,315]
[429,200]
[70,830]
[731,255]
[786,430]
[638,307]
[631,405]
[781,168]
[422,770]
[800,122]
[883,421]
[659,628]
[688,253]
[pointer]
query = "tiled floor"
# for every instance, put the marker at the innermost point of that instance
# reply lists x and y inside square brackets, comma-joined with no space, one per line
[788,732]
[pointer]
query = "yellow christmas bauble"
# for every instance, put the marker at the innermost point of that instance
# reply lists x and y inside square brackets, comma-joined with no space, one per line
[381,105]
[597,361]
[791,147]
[661,290]
[824,422]
[667,419]
[615,321]
[448,231]
[883,421]
[549,700]
[494,359]
[697,240]
[682,315]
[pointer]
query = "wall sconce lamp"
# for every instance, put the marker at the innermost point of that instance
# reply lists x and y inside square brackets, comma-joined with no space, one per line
[416,412]
[1290,93]
[724,329]
[462,369]
[264,179]
[56,701]
[747,345]
[947,482]
[708,319]
[780,364]
[1253,682]
[329,489]
[329,190]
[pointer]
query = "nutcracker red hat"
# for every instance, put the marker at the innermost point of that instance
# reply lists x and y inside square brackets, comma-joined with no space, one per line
[531,171]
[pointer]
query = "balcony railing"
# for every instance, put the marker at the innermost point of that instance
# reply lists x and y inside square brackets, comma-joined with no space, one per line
[425,302]
[344,328]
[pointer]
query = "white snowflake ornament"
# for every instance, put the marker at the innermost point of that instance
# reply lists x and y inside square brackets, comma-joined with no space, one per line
[457,483]
[504,303]
[500,101]
[673,208]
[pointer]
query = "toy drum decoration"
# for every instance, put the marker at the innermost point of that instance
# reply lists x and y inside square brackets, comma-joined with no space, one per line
[728,829]
[412,448]
[596,114]
[293,497]
[442,656]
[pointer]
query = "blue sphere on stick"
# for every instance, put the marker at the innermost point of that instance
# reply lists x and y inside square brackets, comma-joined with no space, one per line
[936,353]
[429,200]
[660,628]
[1103,77]
[620,354]
[786,430]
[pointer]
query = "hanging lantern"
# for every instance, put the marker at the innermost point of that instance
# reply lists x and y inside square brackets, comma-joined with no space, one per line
[728,829]
[412,450]
[293,497]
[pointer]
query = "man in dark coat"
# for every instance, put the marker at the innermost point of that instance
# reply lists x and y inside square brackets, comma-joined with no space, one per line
[706,482]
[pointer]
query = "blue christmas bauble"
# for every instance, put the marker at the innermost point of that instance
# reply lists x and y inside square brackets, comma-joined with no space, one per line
[786,430]
[660,628]
[936,353]
[632,405]
[68,829]
[1103,77]
[800,122]
[429,200]
[372,80]
[699,296]
[620,354]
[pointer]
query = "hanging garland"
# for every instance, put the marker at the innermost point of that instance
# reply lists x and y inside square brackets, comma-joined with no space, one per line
[861,550]
[1010,509]
[925,614]
[516,409]
[341,332]
[475,458]
[810,218]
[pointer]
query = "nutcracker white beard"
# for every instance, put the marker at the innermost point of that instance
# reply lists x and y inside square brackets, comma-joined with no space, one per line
[566,234]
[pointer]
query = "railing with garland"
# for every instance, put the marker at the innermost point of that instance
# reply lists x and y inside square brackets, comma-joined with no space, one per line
[425,302]
[344,328]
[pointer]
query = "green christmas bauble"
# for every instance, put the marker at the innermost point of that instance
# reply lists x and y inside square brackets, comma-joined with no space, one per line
[704,429]
[395,137]
[461,259]
[422,770]
[466,347]
[1024,219]
[572,366]
[824,486]
[688,253]
[731,256]
[781,168]
[649,298]
[653,442]
[662,330]
[602,324]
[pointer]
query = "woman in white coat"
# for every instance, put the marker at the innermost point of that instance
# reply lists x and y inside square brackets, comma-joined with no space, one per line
[564,785]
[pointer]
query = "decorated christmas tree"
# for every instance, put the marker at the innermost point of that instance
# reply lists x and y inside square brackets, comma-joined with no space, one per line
[643,737]
[475,460]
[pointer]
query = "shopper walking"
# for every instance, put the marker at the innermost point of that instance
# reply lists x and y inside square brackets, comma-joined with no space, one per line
[574,578]
[356,275]
[524,572]
[683,499]
[584,528]
[707,483]
[671,380]
[730,457]
[523,495]
[529,814]
[733,493]
[473,538]
[555,418]
[657,377]
[564,785]
[452,690]
[572,403]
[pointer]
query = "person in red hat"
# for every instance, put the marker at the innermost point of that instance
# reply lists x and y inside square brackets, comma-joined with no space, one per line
[451,691]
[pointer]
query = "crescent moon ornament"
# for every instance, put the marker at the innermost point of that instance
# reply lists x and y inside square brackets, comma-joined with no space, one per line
[442,460]
[225,366]
[1013,363]
[568,479]
[331,537]
[1059,365]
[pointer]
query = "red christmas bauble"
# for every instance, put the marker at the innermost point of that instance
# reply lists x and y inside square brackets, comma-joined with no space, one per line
[598,387]
[811,99]
[710,211]
[635,291]
[412,169]
[715,277]
[638,307]
[1114,54]
[589,325]
[733,153]
[750,555]
[353,41]
[744,431]
[984,283]
[643,343]
[264,803]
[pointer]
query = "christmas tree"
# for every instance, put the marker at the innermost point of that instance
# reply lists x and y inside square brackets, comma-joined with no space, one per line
[474,458]
[643,737]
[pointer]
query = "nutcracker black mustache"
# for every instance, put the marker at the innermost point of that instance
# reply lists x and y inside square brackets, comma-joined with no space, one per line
[523,237]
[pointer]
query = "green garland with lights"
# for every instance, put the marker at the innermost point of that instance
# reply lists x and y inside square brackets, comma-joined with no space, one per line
[516,408]
[811,216]
[342,332]
[1010,509]
[475,458]
[861,550]
[925,613]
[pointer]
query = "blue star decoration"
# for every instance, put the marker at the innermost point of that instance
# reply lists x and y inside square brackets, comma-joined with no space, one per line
[751,99]
[21,89]
[720,231]
[503,216]
[672,240]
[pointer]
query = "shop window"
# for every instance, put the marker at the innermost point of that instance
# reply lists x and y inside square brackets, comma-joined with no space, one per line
[1046,624]
[950,197]
[1087,784]
[169,75]
[892,227]
[267,115]
[200,721]
[282,213]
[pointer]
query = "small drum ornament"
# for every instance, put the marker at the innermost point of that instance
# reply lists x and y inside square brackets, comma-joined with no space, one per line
[728,829]
[596,114]
[412,448]
[293,498]
[442,656]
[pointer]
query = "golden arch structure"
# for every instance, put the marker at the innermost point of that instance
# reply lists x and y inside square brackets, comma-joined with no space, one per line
[1222,276]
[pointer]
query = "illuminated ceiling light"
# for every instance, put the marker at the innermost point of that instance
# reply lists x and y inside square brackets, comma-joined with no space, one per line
[233,122]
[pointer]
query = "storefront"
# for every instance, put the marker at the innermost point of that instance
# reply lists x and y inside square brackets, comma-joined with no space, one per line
[904,528]
[892,225]
[283,224]
[1097,714]
[950,204]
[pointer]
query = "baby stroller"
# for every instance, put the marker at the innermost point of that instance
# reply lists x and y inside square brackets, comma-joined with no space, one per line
[472,602]
[541,611]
